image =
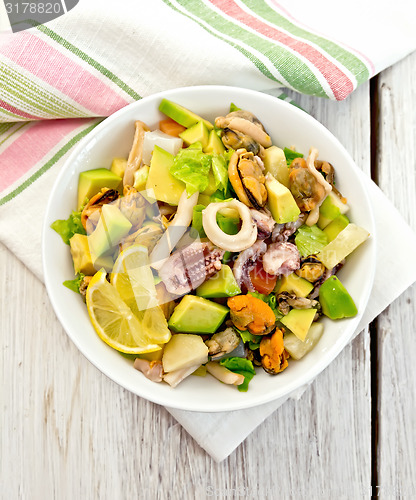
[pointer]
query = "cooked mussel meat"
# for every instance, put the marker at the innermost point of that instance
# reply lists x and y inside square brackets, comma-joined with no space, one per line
[222,343]
[133,206]
[92,210]
[307,191]
[247,178]
[273,354]
[247,124]
[311,269]
[287,301]
[252,314]
[233,139]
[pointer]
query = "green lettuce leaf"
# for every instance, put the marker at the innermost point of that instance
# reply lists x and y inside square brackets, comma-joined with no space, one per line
[228,225]
[220,171]
[253,341]
[197,220]
[67,228]
[270,301]
[310,240]
[233,107]
[221,196]
[75,283]
[291,155]
[241,366]
[192,167]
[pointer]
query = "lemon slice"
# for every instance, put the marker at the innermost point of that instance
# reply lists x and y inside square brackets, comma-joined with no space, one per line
[113,320]
[133,279]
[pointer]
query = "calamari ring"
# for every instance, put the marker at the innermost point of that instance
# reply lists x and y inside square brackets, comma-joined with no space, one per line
[232,243]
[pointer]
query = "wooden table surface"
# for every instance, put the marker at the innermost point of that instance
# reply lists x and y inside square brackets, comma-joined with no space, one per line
[70,432]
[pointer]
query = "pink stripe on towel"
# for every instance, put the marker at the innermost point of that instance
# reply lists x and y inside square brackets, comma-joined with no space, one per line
[338,81]
[34,144]
[63,73]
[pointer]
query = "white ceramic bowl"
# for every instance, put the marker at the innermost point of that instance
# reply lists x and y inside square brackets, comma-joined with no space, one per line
[287,126]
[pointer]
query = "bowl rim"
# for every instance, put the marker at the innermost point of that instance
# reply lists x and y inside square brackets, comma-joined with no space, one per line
[300,382]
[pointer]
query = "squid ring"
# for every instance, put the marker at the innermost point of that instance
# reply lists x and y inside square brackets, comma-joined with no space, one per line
[232,243]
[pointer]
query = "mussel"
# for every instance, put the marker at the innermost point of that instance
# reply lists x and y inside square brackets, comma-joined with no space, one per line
[92,210]
[233,139]
[242,129]
[307,191]
[247,178]
[311,269]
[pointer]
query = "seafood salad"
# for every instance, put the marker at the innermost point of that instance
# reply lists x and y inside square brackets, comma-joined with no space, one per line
[209,250]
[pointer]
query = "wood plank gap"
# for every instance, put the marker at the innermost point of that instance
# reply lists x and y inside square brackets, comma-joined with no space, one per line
[374,127]
[374,365]
[373,327]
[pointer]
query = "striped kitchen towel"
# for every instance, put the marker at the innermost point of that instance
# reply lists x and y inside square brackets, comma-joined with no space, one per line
[58,81]
[103,55]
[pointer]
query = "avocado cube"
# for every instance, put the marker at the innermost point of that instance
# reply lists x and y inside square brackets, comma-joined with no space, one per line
[118,166]
[275,163]
[140,178]
[181,115]
[222,284]
[197,133]
[215,145]
[117,225]
[197,315]
[299,321]
[336,302]
[84,262]
[81,256]
[92,181]
[165,187]
[111,228]
[336,226]
[281,202]
[331,207]
[293,283]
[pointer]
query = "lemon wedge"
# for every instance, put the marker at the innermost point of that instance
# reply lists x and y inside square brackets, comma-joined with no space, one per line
[114,321]
[132,277]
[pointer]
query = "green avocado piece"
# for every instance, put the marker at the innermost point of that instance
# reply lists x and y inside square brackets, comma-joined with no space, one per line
[336,226]
[181,115]
[215,145]
[275,163]
[165,187]
[91,181]
[197,315]
[331,207]
[222,284]
[197,133]
[118,166]
[299,321]
[336,302]
[293,283]
[111,228]
[140,178]
[81,256]
[281,202]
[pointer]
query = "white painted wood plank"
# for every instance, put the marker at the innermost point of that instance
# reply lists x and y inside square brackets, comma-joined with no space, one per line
[397,325]
[69,432]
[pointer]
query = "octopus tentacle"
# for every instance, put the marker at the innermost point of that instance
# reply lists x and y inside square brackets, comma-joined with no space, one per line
[189,267]
[246,261]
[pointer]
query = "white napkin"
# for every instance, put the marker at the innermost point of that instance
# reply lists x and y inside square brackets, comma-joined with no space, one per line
[394,250]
